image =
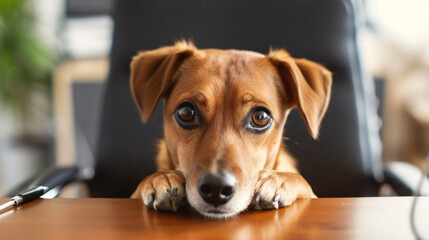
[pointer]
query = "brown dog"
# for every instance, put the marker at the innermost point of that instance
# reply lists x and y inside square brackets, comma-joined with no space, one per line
[224,116]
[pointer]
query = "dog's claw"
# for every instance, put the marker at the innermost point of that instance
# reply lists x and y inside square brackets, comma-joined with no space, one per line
[264,204]
[150,199]
[276,197]
[260,203]
[169,202]
[257,197]
[255,200]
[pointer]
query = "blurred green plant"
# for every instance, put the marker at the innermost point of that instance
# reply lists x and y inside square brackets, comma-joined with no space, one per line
[25,63]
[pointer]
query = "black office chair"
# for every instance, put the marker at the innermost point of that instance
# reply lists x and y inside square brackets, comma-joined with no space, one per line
[345,161]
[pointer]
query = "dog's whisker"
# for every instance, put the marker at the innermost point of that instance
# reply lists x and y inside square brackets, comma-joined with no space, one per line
[287,140]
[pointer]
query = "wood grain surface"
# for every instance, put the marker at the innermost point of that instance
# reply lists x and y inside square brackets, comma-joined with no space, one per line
[324,218]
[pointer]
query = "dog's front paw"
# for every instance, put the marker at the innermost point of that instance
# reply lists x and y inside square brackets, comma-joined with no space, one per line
[164,190]
[276,189]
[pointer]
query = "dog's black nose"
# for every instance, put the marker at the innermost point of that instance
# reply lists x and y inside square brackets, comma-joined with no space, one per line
[217,189]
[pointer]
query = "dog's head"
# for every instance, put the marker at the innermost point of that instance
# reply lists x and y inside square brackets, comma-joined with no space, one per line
[224,114]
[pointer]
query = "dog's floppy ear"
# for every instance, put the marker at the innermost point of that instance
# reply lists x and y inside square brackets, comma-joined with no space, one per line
[307,83]
[152,72]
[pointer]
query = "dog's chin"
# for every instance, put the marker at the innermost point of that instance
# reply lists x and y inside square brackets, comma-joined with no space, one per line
[218,214]
[228,210]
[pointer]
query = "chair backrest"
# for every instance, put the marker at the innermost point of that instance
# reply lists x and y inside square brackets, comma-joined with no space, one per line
[340,163]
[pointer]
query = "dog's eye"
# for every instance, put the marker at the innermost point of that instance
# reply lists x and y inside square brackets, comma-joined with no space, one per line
[259,120]
[187,115]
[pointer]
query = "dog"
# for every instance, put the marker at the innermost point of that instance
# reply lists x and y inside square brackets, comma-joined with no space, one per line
[224,117]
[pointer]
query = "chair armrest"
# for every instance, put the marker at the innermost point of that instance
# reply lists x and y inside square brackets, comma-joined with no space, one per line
[404,178]
[51,178]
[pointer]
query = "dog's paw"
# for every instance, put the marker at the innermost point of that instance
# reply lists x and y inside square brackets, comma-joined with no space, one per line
[276,189]
[163,190]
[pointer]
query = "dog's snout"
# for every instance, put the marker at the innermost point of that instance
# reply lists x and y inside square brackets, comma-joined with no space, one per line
[217,189]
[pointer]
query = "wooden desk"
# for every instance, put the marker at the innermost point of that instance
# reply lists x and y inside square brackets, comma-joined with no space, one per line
[329,218]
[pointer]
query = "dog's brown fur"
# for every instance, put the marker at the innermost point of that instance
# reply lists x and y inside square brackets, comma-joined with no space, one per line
[225,85]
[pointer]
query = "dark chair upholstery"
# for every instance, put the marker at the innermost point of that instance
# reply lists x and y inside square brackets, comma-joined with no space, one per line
[324,31]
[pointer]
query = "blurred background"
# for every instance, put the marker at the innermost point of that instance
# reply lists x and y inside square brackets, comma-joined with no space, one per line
[45,46]
[49,49]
